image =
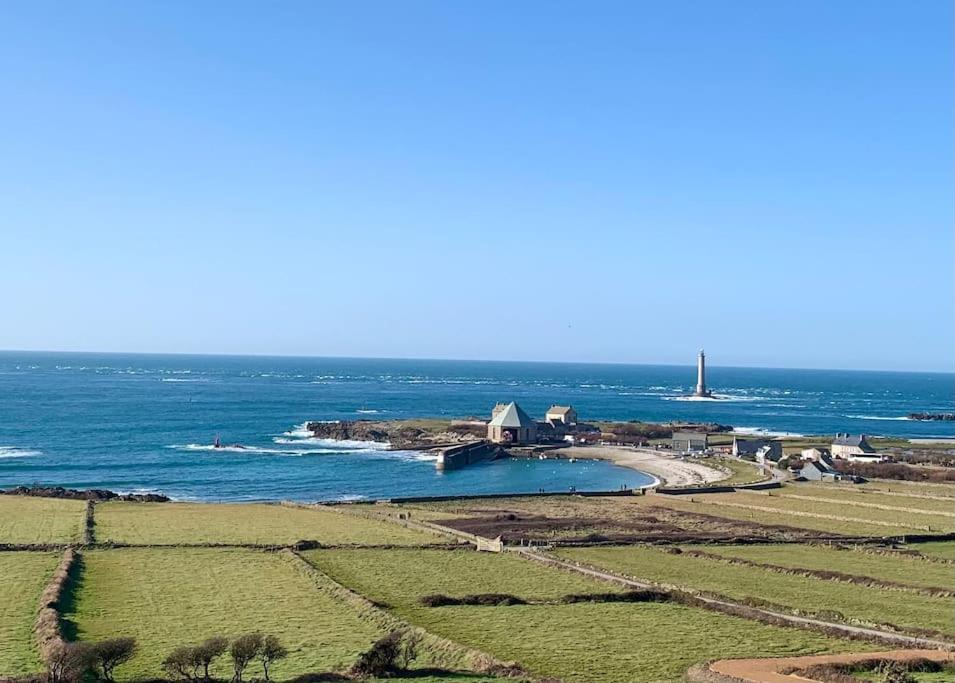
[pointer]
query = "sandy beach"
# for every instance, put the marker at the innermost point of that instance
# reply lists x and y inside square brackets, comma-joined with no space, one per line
[670,470]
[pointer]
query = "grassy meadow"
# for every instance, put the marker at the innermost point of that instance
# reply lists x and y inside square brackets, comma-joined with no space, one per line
[172,597]
[939,550]
[855,602]
[24,520]
[254,523]
[614,642]
[23,576]
[894,567]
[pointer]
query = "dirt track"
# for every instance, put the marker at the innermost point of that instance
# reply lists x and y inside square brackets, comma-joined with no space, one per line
[768,670]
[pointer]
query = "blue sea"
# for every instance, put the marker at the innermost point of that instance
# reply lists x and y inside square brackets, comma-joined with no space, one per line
[145,423]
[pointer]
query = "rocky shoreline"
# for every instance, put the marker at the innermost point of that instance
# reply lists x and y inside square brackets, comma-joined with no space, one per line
[932,417]
[97,495]
[400,433]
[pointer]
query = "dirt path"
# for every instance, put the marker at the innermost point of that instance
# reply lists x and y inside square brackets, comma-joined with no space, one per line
[769,670]
[769,616]
[670,470]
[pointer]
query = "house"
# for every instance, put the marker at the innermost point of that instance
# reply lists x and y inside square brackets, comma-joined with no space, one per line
[848,445]
[688,442]
[565,415]
[819,471]
[511,425]
[759,449]
[814,454]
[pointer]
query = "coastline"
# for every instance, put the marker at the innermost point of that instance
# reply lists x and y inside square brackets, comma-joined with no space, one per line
[668,471]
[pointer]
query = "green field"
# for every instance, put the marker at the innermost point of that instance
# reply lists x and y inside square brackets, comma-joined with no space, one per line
[863,603]
[172,597]
[25,519]
[741,471]
[23,576]
[895,567]
[178,523]
[940,550]
[833,516]
[614,642]
[856,498]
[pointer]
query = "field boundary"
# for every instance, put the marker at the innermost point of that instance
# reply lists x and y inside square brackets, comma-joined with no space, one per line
[726,606]
[48,625]
[89,523]
[814,515]
[874,506]
[446,652]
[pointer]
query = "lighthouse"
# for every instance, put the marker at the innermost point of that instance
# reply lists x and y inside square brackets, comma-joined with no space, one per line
[701,390]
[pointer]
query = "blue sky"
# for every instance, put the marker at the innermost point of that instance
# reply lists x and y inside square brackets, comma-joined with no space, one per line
[537,180]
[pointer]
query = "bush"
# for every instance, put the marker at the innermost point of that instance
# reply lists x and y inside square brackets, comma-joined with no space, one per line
[389,655]
[483,599]
[69,662]
[109,654]
[208,651]
[270,652]
[182,664]
[626,596]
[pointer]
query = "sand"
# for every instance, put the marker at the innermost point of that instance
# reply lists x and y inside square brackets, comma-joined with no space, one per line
[672,471]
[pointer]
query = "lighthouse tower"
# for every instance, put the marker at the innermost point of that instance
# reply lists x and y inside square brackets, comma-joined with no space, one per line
[701,390]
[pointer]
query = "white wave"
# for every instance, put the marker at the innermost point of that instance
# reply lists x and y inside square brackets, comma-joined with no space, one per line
[877,417]
[714,397]
[366,411]
[299,432]
[335,444]
[180,379]
[760,431]
[257,450]
[15,452]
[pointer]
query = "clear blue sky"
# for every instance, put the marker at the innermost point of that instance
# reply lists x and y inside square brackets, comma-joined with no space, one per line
[532,180]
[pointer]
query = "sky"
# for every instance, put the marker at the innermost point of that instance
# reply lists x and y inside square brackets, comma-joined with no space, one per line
[541,180]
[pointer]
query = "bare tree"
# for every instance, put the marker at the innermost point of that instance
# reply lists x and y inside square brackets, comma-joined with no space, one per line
[270,652]
[208,651]
[243,650]
[67,662]
[109,654]
[181,664]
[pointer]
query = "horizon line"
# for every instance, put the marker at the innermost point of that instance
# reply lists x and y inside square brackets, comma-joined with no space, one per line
[463,360]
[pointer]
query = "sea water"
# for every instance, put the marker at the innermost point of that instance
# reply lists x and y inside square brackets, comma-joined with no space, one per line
[147,422]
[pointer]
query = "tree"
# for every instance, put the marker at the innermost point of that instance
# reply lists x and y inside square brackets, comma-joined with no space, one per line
[67,662]
[388,655]
[182,663]
[109,654]
[208,651]
[243,650]
[271,651]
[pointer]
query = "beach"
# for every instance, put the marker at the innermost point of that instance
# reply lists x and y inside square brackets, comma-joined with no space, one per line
[669,470]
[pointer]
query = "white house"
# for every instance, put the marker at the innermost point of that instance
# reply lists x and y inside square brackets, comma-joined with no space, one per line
[565,415]
[855,448]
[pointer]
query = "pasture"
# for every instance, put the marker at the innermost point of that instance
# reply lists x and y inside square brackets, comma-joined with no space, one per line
[22,578]
[172,597]
[863,604]
[255,523]
[25,520]
[886,566]
[613,642]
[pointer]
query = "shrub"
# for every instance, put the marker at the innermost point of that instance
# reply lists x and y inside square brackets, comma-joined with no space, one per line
[389,655]
[626,596]
[243,650]
[68,662]
[484,599]
[109,654]
[182,664]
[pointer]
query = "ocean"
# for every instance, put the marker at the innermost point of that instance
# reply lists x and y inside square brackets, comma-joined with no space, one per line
[145,423]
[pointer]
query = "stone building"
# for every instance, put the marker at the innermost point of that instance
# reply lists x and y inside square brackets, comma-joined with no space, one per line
[564,415]
[689,442]
[854,447]
[511,425]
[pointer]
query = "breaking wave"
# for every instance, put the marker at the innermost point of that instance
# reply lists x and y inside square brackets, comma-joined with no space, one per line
[759,431]
[15,452]
[258,450]
[714,397]
[878,417]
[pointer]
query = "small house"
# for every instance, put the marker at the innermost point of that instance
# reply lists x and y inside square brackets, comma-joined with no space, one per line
[846,445]
[760,450]
[689,442]
[511,425]
[564,415]
[814,454]
[819,471]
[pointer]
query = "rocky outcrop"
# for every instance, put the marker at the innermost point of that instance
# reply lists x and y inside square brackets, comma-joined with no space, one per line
[398,433]
[932,417]
[86,494]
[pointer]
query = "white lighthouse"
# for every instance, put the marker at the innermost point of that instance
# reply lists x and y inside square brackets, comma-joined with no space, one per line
[701,390]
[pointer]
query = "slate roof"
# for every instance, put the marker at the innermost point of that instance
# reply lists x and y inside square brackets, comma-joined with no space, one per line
[512,416]
[559,410]
[852,440]
[749,446]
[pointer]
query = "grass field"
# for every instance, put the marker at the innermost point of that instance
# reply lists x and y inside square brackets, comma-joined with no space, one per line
[824,517]
[942,550]
[614,642]
[889,567]
[855,498]
[172,523]
[864,603]
[172,597]
[22,578]
[741,471]
[41,520]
